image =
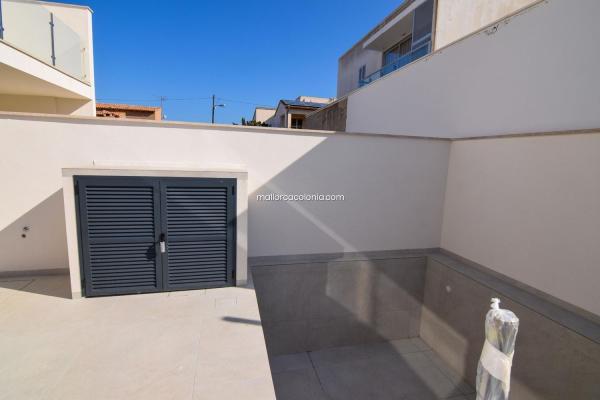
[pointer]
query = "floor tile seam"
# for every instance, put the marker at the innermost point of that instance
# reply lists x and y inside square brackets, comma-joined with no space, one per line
[450,378]
[316,372]
[196,370]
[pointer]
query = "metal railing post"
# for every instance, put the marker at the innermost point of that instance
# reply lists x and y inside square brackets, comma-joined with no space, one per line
[53,56]
[1,26]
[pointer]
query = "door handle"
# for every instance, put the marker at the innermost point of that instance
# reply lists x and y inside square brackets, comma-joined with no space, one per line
[163,244]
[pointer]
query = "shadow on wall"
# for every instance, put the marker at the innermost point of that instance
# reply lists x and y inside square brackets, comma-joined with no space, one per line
[44,105]
[311,306]
[392,189]
[37,239]
[393,197]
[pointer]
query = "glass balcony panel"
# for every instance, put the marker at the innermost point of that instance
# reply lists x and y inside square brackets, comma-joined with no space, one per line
[68,49]
[27,27]
[397,64]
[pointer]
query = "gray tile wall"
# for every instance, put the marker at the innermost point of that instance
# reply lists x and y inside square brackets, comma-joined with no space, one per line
[550,362]
[317,305]
[352,299]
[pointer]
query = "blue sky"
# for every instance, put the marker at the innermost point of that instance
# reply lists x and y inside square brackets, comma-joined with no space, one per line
[246,52]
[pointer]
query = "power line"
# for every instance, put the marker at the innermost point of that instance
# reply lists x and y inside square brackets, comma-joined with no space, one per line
[187,98]
[242,102]
[154,99]
[124,99]
[163,99]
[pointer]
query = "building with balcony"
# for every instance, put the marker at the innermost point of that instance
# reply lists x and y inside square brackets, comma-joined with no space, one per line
[488,68]
[46,58]
[413,30]
[403,36]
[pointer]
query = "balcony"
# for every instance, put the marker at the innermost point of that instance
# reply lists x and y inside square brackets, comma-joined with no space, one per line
[36,30]
[400,62]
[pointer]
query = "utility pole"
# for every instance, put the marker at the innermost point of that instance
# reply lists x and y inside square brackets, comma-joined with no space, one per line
[212,120]
[213,108]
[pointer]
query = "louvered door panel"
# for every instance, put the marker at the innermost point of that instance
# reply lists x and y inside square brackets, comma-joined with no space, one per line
[119,222]
[198,218]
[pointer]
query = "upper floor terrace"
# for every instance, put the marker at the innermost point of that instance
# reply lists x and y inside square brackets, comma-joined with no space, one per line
[404,36]
[413,30]
[46,58]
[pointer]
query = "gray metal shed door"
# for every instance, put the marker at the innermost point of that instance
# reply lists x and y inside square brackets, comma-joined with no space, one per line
[145,234]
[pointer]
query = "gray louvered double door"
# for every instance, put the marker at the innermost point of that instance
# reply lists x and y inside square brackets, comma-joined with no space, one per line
[145,234]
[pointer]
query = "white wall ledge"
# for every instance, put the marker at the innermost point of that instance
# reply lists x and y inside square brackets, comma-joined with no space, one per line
[197,125]
[78,119]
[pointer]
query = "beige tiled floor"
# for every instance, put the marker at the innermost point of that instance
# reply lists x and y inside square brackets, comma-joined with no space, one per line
[400,370]
[205,344]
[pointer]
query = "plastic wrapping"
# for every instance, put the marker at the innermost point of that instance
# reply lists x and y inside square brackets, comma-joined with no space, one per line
[493,371]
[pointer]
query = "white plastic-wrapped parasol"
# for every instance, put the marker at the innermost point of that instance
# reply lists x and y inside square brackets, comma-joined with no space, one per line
[493,371]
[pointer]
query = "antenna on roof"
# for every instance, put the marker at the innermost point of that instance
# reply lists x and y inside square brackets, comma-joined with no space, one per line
[162,109]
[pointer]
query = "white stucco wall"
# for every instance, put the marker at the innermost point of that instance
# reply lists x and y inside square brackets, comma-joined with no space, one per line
[458,18]
[393,187]
[276,121]
[263,114]
[529,208]
[349,65]
[537,72]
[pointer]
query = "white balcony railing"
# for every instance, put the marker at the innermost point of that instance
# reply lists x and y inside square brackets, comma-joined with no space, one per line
[33,29]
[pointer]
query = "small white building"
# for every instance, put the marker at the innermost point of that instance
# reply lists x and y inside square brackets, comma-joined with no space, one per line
[263,114]
[46,58]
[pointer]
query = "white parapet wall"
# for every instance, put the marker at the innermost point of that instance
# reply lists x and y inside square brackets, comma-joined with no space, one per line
[535,71]
[393,187]
[529,208]
[524,206]
[458,18]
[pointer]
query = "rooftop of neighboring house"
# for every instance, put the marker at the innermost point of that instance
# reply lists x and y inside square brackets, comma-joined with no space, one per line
[307,102]
[132,111]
